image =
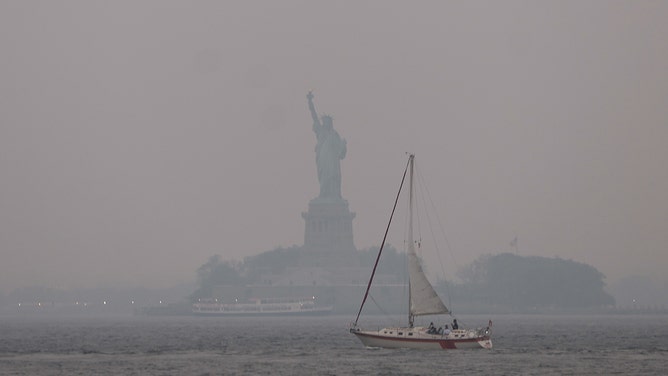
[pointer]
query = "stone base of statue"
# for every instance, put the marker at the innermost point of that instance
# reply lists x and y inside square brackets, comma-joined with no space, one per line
[328,226]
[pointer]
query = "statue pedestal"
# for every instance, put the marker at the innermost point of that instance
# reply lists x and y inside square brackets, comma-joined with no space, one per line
[329,226]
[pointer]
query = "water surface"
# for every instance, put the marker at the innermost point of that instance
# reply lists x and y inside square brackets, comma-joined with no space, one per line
[142,345]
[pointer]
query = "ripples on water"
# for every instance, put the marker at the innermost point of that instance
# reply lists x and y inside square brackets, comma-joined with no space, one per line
[526,345]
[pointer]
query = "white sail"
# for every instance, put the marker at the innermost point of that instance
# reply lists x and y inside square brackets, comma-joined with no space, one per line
[424,300]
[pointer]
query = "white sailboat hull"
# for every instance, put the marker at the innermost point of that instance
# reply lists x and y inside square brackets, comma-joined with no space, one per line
[418,338]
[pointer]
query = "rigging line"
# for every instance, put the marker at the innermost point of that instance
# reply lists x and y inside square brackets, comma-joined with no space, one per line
[438,219]
[403,178]
[384,312]
[423,187]
[424,193]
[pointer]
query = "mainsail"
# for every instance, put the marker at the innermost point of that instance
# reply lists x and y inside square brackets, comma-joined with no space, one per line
[423,298]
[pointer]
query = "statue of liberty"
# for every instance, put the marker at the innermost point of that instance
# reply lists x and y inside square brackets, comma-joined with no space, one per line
[329,151]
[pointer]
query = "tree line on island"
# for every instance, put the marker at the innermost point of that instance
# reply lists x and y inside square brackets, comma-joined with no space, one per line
[524,283]
[503,282]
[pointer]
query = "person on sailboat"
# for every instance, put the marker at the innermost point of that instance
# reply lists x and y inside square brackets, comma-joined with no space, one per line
[455,326]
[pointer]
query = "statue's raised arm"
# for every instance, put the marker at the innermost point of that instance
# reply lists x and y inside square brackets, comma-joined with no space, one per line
[329,151]
[311,106]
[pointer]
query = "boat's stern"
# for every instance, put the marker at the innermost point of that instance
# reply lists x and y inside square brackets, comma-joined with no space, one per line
[485,343]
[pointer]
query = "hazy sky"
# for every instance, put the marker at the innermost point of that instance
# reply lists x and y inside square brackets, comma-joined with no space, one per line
[138,138]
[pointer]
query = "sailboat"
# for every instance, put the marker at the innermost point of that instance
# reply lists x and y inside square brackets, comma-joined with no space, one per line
[423,300]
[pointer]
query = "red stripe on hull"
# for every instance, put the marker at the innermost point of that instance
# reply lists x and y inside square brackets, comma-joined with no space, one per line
[447,345]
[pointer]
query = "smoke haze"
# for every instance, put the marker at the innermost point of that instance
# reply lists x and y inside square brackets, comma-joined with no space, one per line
[139,138]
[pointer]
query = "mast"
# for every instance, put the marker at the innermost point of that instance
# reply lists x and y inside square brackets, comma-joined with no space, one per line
[411,317]
[423,298]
